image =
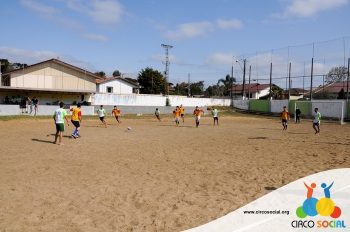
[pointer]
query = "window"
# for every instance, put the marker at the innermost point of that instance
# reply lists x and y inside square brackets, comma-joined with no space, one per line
[109,89]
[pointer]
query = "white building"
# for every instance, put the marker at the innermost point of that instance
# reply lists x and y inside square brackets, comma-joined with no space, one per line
[117,85]
[256,91]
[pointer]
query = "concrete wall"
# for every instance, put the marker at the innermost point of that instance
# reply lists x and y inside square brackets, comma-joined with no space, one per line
[154,100]
[43,110]
[331,109]
[52,76]
[45,98]
[9,110]
[276,106]
[119,87]
[241,104]
[147,109]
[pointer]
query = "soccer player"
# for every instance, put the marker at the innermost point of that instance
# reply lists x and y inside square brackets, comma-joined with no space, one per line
[297,115]
[76,120]
[157,114]
[182,113]
[116,113]
[285,117]
[317,121]
[215,113]
[101,114]
[176,114]
[197,113]
[59,116]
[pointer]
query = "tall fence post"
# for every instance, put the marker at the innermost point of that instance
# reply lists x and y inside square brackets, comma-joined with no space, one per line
[250,72]
[244,67]
[347,82]
[289,85]
[270,95]
[312,77]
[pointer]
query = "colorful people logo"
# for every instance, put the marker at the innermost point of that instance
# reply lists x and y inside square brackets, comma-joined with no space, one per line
[323,206]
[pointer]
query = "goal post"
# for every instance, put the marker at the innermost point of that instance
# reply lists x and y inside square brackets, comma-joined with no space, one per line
[331,109]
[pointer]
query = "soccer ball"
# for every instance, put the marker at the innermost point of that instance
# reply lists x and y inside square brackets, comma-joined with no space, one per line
[129,128]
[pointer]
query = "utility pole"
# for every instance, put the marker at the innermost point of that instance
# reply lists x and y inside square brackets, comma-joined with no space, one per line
[189,86]
[231,95]
[167,64]
[0,74]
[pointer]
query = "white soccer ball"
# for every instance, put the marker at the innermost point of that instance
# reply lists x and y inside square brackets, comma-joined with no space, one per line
[129,128]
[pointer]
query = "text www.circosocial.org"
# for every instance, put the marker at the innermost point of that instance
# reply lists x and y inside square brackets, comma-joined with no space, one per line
[285,212]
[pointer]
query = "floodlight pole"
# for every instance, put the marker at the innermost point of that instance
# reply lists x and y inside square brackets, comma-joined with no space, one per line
[312,77]
[167,64]
[289,84]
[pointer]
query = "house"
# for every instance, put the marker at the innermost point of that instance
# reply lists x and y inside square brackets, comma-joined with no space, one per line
[50,81]
[117,85]
[332,90]
[295,93]
[256,90]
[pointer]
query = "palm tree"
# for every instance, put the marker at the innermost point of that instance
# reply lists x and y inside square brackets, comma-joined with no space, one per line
[227,82]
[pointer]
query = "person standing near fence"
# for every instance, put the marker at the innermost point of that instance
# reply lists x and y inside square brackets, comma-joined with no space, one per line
[317,120]
[35,103]
[297,115]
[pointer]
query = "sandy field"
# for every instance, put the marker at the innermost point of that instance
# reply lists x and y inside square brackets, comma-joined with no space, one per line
[155,177]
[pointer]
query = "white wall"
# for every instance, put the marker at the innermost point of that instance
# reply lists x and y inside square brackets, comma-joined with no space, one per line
[241,104]
[119,87]
[330,108]
[10,110]
[154,100]
[276,106]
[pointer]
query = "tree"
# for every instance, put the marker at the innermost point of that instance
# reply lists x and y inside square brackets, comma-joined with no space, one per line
[5,65]
[197,88]
[227,82]
[181,89]
[116,73]
[336,74]
[277,92]
[151,81]
[341,94]
[100,73]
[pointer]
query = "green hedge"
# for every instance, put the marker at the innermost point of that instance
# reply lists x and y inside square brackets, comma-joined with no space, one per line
[259,105]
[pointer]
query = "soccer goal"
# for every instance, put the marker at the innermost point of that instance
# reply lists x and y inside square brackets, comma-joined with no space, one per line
[330,109]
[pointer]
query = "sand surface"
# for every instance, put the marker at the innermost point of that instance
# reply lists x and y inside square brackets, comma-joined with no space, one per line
[155,177]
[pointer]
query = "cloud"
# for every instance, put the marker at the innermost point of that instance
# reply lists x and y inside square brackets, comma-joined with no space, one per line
[31,57]
[196,29]
[42,9]
[95,37]
[229,24]
[308,8]
[219,59]
[104,11]
[100,11]
[190,30]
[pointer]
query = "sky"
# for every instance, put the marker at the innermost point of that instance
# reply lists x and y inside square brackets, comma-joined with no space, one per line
[208,36]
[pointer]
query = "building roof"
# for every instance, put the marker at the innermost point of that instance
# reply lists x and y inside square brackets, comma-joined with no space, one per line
[256,87]
[333,87]
[59,62]
[108,79]
[295,91]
